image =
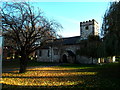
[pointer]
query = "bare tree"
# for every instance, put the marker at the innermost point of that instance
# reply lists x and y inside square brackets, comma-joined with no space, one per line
[27,28]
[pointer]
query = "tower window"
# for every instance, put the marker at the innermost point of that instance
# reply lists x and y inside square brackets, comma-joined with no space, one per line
[86,27]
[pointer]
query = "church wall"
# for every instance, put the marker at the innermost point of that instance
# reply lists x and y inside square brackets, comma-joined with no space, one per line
[47,55]
[44,56]
[96,28]
[72,48]
[56,58]
[86,28]
[86,60]
[54,54]
[89,28]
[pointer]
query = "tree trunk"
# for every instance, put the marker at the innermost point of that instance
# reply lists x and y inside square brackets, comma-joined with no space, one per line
[23,64]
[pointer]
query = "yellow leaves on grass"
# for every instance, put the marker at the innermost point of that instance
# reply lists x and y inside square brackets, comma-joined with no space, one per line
[40,81]
[47,76]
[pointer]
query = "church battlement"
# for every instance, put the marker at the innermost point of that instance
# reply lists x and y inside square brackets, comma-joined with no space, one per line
[89,27]
[88,22]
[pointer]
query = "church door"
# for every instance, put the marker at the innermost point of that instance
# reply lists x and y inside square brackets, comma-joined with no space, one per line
[64,58]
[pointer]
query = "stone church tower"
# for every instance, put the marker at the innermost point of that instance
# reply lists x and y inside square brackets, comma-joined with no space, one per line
[89,28]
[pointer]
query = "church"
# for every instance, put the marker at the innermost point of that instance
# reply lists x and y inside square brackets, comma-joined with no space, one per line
[64,49]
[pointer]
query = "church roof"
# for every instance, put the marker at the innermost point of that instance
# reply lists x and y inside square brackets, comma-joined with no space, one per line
[71,40]
[62,41]
[66,41]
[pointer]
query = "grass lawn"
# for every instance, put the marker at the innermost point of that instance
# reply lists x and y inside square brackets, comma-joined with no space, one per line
[65,76]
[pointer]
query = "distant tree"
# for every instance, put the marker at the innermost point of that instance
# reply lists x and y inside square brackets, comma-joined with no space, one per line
[111,29]
[26,28]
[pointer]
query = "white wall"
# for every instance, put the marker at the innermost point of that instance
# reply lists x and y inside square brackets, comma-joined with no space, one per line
[56,58]
[44,56]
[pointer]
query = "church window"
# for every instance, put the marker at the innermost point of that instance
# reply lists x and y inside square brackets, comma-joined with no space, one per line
[55,51]
[40,53]
[87,27]
[48,53]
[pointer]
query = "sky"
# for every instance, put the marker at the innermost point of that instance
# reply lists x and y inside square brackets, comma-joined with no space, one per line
[70,14]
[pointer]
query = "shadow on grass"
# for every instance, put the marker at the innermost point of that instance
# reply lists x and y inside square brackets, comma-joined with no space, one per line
[13,65]
[108,76]
[69,87]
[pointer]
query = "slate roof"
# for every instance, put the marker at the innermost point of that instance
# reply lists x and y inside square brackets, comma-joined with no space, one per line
[63,41]
[71,40]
